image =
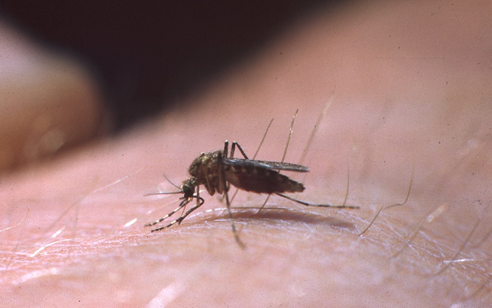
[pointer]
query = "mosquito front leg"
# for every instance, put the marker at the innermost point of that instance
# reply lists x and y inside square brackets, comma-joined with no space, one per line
[181,205]
[199,202]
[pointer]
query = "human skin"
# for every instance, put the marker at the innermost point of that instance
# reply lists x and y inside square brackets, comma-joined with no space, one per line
[409,87]
[49,101]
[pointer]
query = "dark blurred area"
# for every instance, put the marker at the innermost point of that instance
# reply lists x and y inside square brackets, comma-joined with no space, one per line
[150,55]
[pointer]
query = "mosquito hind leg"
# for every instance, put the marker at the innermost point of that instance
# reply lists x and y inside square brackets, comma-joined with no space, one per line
[318,205]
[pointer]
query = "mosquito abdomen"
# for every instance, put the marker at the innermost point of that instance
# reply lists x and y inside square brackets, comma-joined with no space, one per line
[261,180]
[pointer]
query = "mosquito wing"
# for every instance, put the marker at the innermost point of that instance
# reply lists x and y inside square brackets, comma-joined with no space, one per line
[274,165]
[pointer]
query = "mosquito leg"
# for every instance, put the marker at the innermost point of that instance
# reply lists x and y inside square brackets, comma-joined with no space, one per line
[226,148]
[235,193]
[233,149]
[264,204]
[222,179]
[254,156]
[181,205]
[199,202]
[234,144]
[198,194]
[319,205]
[236,235]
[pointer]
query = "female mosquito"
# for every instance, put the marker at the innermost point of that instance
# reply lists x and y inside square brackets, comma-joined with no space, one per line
[218,170]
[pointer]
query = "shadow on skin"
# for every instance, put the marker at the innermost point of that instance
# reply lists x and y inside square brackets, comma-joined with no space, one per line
[275,215]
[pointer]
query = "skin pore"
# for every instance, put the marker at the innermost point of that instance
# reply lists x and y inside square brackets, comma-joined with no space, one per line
[410,90]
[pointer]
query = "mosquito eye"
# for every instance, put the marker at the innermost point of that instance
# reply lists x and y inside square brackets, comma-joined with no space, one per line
[187,190]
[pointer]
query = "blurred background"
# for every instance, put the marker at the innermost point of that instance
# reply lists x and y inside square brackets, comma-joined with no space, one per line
[149,56]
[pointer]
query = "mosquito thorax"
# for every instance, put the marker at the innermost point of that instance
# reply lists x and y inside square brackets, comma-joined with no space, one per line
[208,160]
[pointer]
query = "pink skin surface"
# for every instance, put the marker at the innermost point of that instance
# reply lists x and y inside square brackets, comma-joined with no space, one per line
[409,87]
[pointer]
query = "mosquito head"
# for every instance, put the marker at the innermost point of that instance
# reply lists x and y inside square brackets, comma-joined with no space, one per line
[188,188]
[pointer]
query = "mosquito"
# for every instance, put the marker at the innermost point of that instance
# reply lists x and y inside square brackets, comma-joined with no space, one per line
[217,170]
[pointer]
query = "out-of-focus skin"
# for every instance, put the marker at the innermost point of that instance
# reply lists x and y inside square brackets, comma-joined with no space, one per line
[410,86]
[49,102]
